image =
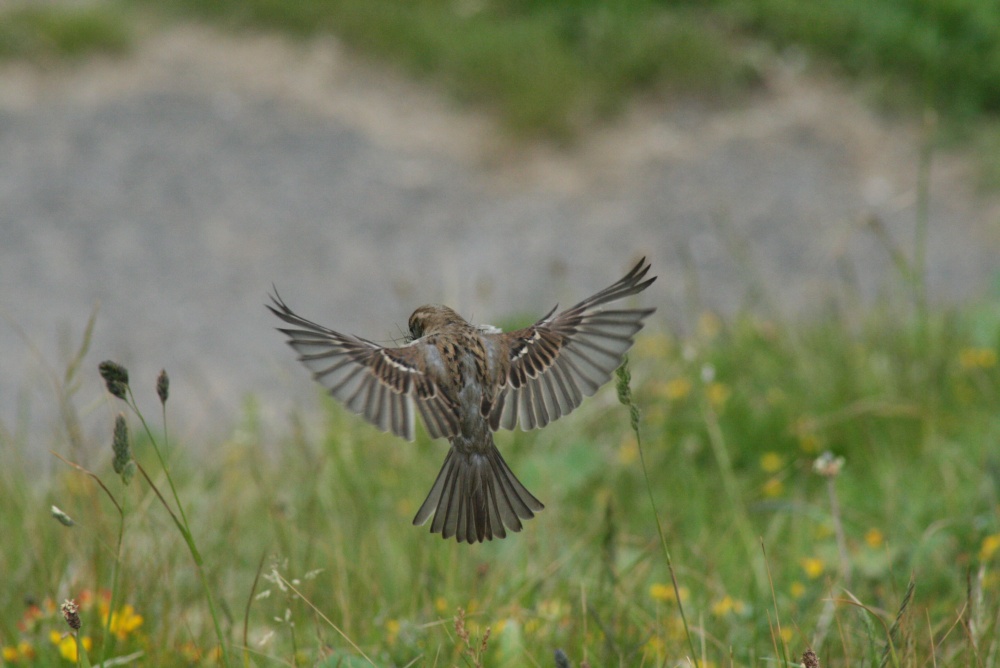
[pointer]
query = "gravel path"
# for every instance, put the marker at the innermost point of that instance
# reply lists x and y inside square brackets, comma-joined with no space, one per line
[176,186]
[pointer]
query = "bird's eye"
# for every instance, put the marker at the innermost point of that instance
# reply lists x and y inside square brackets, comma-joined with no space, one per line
[416,330]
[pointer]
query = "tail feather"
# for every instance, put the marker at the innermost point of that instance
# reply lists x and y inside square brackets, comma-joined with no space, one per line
[476,497]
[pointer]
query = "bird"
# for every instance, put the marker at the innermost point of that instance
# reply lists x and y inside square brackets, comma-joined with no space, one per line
[468,381]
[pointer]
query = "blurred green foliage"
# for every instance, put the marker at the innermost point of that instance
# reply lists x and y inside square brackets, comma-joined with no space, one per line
[943,54]
[548,68]
[52,31]
[733,417]
[553,67]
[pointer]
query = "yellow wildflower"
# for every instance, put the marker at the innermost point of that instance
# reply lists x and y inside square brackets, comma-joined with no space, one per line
[9,654]
[628,451]
[812,566]
[440,605]
[771,462]
[786,634]
[989,547]
[728,605]
[773,488]
[392,627]
[191,652]
[808,442]
[125,621]
[665,592]
[718,394]
[67,645]
[797,589]
[822,530]
[875,538]
[676,389]
[977,358]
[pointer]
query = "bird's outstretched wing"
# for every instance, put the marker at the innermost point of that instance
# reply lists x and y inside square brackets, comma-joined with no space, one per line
[559,360]
[381,384]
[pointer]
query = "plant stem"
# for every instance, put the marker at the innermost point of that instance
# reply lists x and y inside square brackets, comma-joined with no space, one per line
[730,486]
[625,397]
[182,525]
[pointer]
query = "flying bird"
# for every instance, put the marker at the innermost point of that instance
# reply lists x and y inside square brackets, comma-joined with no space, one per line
[467,381]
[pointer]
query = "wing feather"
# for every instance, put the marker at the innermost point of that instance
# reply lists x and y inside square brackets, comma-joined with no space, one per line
[381,384]
[563,358]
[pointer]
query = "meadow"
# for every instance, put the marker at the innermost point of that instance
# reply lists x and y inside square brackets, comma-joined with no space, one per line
[829,484]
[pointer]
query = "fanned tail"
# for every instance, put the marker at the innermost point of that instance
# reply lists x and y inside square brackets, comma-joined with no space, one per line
[476,497]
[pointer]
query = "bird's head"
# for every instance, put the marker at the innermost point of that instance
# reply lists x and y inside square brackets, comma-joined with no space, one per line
[430,318]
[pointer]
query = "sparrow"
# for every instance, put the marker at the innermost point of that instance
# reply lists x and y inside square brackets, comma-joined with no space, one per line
[467,381]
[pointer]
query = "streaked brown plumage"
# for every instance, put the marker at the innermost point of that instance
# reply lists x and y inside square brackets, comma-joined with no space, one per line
[467,381]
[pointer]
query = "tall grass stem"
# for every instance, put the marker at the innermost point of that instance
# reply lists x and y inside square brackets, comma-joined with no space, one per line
[625,397]
[181,522]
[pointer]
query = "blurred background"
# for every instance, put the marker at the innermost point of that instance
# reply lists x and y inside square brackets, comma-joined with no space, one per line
[164,164]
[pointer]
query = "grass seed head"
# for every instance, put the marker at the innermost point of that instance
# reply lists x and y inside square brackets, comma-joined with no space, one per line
[119,443]
[163,386]
[624,383]
[809,659]
[71,613]
[115,377]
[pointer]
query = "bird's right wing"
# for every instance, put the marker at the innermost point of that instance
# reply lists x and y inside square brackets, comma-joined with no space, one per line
[561,359]
[381,384]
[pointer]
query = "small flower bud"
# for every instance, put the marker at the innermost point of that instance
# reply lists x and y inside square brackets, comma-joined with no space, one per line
[70,612]
[707,373]
[827,465]
[115,377]
[809,659]
[120,445]
[163,386]
[62,517]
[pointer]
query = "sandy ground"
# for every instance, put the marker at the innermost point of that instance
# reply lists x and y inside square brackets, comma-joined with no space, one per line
[175,186]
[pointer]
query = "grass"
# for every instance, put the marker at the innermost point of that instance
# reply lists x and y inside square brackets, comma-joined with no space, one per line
[52,32]
[943,54]
[552,69]
[310,556]
[546,69]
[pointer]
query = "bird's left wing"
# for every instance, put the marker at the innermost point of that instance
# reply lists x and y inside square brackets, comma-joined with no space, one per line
[561,359]
[381,384]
